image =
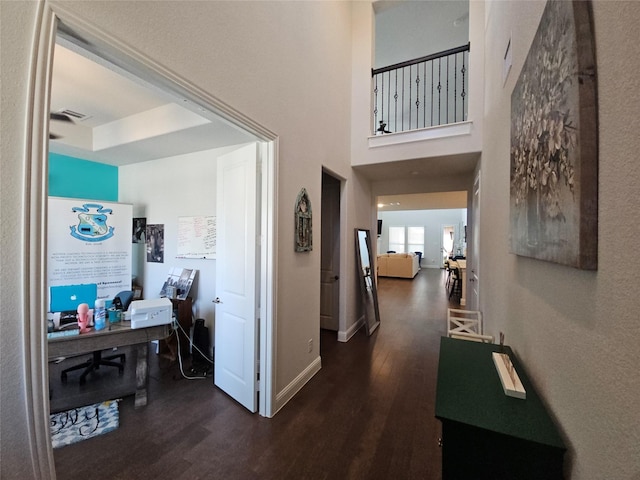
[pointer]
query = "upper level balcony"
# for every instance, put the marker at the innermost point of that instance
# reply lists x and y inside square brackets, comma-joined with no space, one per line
[415,96]
[431,106]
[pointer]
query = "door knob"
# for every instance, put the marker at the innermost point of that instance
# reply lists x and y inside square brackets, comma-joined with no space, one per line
[337,277]
[217,300]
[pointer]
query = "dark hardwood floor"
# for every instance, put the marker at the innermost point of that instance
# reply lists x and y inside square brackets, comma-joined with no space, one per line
[368,414]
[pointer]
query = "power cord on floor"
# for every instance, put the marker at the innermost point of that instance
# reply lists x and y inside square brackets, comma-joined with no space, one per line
[193,345]
[205,356]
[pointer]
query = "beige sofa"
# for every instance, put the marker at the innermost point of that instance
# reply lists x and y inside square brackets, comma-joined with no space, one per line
[402,265]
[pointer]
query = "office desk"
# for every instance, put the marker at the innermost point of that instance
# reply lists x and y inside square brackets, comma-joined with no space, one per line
[486,434]
[117,335]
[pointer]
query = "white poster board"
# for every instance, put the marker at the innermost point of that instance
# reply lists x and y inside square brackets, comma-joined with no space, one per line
[197,237]
[89,241]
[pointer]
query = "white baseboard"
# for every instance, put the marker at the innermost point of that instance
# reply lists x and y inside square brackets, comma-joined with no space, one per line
[307,374]
[345,336]
[296,385]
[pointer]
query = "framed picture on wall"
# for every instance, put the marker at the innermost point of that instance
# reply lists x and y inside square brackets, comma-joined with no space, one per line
[138,234]
[155,243]
[554,142]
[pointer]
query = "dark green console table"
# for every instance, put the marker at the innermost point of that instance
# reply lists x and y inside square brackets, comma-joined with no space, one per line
[485,433]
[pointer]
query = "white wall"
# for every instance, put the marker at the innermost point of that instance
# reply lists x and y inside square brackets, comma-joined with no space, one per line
[576,331]
[432,221]
[360,214]
[303,86]
[408,30]
[285,65]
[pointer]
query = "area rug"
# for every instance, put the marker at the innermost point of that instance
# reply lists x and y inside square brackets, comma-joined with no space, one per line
[85,422]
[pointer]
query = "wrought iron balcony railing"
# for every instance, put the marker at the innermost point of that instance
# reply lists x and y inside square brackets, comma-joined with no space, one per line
[421,93]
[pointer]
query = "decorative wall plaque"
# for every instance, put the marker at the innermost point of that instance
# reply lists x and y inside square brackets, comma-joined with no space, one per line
[303,225]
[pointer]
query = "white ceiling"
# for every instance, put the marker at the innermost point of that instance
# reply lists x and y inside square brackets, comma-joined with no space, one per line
[422,201]
[411,29]
[127,120]
[432,167]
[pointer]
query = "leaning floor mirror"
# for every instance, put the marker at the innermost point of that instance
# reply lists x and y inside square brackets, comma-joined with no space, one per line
[367,280]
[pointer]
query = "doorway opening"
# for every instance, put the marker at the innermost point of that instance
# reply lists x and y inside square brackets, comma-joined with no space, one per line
[196,124]
[330,254]
[448,238]
[102,46]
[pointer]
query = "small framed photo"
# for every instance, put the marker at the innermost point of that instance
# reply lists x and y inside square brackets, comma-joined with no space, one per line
[137,292]
[138,234]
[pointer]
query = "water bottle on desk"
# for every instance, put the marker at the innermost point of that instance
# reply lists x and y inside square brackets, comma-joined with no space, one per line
[99,315]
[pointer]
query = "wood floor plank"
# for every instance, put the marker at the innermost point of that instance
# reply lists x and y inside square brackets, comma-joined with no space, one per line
[368,414]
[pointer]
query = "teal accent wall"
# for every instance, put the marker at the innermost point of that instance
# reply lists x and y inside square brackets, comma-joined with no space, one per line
[77,178]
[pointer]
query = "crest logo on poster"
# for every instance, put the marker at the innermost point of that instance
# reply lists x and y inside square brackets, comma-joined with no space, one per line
[92,223]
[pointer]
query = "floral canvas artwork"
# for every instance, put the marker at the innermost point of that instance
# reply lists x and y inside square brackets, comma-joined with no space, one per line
[554,151]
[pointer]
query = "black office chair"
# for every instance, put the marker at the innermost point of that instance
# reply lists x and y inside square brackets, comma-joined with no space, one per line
[121,301]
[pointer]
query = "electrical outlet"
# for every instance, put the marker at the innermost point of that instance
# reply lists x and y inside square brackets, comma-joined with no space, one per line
[310,347]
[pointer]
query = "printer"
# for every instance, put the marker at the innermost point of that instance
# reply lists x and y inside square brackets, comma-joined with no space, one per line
[149,313]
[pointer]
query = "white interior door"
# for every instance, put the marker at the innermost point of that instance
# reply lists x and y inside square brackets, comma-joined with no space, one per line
[236,332]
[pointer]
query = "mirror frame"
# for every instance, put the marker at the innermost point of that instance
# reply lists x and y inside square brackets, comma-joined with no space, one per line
[367,279]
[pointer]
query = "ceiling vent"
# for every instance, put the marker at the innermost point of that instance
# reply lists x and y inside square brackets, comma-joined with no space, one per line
[76,116]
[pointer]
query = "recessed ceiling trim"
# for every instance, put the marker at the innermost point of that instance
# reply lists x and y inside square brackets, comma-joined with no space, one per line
[158,121]
[122,56]
[139,122]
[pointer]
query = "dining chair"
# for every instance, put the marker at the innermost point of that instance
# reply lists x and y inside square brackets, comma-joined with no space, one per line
[466,325]
[448,268]
[455,280]
[473,337]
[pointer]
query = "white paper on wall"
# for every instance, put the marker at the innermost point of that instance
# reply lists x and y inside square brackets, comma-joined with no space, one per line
[197,237]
